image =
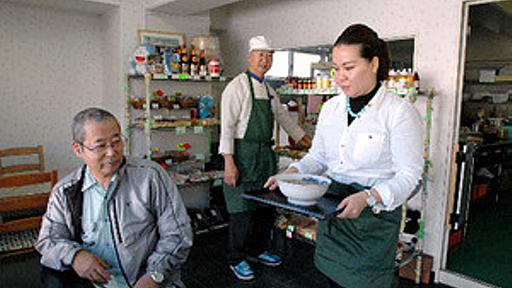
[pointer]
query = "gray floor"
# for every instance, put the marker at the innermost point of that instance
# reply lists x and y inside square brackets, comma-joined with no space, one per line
[206,267]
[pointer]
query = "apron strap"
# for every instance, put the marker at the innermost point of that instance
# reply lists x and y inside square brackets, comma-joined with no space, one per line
[270,96]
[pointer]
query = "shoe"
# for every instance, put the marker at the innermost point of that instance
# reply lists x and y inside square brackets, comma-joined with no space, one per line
[266,258]
[243,271]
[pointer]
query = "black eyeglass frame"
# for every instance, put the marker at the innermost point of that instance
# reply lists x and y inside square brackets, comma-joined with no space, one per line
[101,148]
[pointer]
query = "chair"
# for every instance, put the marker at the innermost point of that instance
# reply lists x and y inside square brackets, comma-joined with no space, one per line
[24,191]
[10,158]
[25,199]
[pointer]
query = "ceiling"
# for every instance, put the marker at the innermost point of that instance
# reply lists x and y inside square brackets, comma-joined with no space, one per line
[172,7]
[87,6]
[186,7]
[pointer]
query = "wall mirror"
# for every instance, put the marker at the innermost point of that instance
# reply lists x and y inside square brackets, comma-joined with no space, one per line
[308,61]
[314,62]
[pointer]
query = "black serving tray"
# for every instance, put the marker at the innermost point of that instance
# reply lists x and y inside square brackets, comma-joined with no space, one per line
[323,209]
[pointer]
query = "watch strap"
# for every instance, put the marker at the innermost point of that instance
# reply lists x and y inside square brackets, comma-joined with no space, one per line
[372,201]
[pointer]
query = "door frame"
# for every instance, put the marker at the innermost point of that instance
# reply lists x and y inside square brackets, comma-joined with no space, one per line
[445,276]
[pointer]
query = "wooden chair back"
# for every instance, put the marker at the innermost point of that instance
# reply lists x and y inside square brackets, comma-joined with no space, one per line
[25,155]
[25,201]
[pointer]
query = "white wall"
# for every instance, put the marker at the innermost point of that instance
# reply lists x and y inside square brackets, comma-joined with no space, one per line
[188,25]
[59,60]
[435,25]
[51,67]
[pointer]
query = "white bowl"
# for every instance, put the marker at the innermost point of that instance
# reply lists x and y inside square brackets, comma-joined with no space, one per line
[303,189]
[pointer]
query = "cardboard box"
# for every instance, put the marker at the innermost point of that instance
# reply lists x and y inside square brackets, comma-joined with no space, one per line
[409,270]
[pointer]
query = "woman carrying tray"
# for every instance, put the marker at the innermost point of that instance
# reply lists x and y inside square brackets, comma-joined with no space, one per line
[370,143]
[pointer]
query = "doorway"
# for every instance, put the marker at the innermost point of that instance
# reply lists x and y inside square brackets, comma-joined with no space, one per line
[479,243]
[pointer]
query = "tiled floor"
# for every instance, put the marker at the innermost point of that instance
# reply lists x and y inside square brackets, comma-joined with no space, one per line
[206,268]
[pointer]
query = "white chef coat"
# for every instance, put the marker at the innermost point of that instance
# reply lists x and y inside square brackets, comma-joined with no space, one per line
[383,148]
[236,108]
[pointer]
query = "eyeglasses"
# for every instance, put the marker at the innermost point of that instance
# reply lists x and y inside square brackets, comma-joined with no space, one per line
[115,143]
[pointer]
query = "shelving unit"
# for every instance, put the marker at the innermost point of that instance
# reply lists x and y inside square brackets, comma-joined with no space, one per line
[178,120]
[159,134]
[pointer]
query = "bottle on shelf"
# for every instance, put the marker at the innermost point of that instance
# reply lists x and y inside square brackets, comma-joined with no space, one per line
[416,81]
[318,81]
[176,60]
[326,82]
[184,60]
[194,61]
[203,70]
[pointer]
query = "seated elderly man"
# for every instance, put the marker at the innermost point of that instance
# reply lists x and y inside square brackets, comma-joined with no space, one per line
[114,222]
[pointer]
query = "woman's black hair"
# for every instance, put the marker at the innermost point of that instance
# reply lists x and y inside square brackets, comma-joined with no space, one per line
[371,46]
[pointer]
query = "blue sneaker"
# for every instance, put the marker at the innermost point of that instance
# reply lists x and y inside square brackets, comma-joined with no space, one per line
[243,271]
[266,258]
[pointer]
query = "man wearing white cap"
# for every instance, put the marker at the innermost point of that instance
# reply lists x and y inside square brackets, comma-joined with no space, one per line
[248,109]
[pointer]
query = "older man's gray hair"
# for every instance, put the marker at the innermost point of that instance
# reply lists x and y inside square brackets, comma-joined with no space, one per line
[93,113]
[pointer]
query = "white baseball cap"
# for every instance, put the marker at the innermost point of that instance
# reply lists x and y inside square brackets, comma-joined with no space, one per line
[260,43]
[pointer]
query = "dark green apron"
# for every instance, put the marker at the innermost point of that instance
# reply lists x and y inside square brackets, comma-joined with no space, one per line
[357,253]
[253,155]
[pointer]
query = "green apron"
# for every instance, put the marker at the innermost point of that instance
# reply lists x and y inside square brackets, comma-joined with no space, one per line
[253,155]
[358,252]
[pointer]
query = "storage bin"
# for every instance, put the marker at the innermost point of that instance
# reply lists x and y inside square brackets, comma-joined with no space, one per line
[499,97]
[509,131]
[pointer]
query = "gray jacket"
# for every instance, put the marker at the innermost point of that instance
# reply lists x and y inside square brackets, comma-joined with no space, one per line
[149,223]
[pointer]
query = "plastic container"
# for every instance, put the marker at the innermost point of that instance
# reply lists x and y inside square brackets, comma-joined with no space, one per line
[214,67]
[499,98]
[209,43]
[508,128]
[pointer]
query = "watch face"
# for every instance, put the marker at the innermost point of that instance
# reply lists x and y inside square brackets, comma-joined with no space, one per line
[370,200]
[157,277]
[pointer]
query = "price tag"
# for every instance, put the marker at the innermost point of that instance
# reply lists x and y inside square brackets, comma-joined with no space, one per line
[198,130]
[181,130]
[217,183]
[289,231]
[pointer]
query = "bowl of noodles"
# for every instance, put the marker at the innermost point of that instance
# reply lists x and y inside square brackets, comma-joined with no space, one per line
[302,189]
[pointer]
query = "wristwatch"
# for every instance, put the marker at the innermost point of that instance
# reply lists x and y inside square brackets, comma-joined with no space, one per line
[157,277]
[370,200]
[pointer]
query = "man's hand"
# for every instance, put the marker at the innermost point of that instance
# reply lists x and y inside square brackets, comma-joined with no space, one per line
[91,267]
[230,171]
[353,205]
[305,141]
[146,282]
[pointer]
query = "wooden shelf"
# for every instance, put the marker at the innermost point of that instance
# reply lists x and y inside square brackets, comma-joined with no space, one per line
[497,83]
[177,123]
[176,78]
[306,92]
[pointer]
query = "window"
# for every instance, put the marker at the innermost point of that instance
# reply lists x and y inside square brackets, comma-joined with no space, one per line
[280,65]
[302,63]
